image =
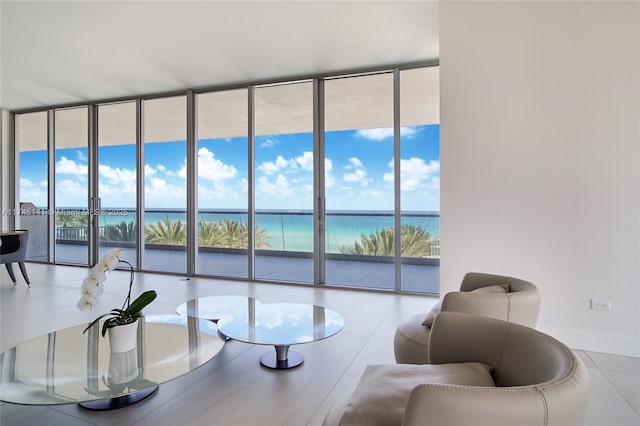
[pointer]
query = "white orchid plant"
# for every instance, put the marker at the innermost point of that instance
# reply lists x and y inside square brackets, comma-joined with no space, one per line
[93,286]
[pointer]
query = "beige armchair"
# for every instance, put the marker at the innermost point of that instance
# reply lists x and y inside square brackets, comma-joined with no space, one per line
[533,380]
[495,296]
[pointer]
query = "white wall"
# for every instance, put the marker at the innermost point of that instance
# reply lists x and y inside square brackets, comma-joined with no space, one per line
[6,177]
[540,154]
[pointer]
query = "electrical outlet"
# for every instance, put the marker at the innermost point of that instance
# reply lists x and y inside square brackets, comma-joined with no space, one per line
[600,305]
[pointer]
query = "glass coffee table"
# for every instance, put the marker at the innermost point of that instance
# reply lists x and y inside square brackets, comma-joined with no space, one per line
[214,308]
[281,325]
[67,366]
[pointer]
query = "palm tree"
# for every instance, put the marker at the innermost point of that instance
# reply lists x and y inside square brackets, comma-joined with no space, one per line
[82,220]
[66,218]
[415,241]
[209,234]
[123,231]
[166,232]
[380,243]
[233,234]
[230,234]
[236,234]
[260,238]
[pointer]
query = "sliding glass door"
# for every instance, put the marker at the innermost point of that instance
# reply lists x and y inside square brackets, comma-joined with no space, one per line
[71,138]
[165,188]
[359,187]
[117,178]
[31,143]
[222,150]
[420,179]
[284,177]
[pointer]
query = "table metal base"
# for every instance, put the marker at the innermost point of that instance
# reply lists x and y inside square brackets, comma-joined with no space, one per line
[118,402]
[282,358]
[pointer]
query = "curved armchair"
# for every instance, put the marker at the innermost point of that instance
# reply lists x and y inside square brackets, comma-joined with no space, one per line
[536,380]
[495,296]
[14,249]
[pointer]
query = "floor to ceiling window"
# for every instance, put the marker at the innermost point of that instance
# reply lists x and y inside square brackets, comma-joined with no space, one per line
[117,178]
[31,143]
[222,150]
[419,178]
[165,193]
[359,145]
[71,138]
[284,179]
[329,181]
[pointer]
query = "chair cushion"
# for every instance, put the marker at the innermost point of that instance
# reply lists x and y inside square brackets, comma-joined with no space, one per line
[492,289]
[383,391]
[432,314]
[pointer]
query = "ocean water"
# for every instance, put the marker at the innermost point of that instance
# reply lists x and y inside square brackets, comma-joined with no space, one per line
[294,230]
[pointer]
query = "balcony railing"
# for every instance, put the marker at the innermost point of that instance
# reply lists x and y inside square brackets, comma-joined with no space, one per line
[281,231]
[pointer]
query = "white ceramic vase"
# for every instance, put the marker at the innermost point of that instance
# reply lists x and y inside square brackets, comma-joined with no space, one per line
[122,338]
[123,366]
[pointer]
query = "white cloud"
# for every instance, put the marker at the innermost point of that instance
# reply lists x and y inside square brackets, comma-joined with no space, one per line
[81,157]
[385,132]
[214,194]
[306,161]
[159,193]
[117,186]
[26,183]
[359,175]
[70,167]
[116,176]
[375,134]
[355,162]
[33,192]
[329,180]
[301,162]
[273,167]
[209,167]
[70,193]
[149,171]
[409,132]
[435,182]
[156,185]
[328,165]
[161,167]
[279,188]
[413,173]
[268,143]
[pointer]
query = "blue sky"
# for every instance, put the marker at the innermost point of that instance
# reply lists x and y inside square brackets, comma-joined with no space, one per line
[358,172]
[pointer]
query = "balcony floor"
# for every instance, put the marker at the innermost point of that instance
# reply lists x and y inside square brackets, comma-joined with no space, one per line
[343,273]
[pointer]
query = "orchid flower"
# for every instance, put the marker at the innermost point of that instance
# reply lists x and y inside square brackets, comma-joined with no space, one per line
[96,276]
[110,261]
[87,302]
[92,288]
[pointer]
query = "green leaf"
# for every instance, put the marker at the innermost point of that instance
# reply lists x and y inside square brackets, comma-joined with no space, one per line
[137,305]
[106,326]
[95,321]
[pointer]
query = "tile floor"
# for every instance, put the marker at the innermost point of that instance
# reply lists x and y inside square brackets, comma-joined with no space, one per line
[233,389]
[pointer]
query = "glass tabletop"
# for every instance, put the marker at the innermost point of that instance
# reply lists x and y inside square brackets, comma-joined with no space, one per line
[68,366]
[216,307]
[281,324]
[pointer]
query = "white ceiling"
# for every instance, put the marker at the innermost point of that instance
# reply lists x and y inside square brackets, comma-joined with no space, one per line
[62,52]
